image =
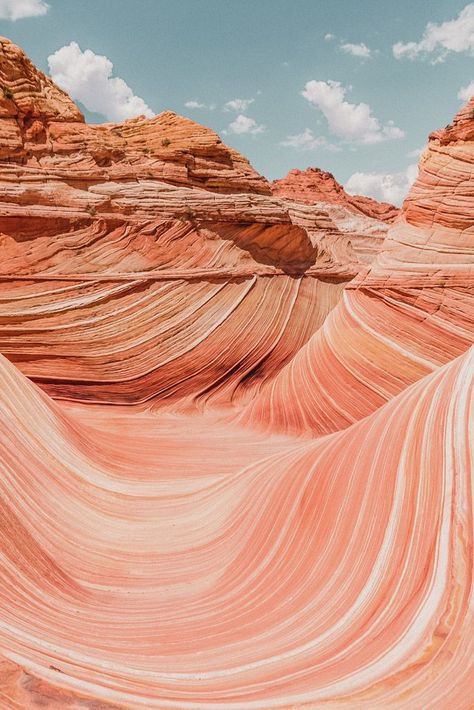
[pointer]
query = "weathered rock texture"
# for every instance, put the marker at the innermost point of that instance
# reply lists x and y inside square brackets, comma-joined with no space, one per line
[314,185]
[42,130]
[235,457]
[131,252]
[406,315]
[363,220]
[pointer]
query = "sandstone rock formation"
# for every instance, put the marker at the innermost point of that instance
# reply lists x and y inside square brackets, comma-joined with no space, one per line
[106,231]
[228,570]
[315,185]
[235,455]
[42,130]
[363,220]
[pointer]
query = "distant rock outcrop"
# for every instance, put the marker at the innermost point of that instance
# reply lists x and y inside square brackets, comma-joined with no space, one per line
[314,185]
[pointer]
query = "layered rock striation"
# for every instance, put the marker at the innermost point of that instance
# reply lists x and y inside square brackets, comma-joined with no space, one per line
[405,315]
[235,454]
[363,220]
[131,251]
[315,185]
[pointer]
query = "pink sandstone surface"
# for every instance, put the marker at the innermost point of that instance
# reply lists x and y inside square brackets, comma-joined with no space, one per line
[235,446]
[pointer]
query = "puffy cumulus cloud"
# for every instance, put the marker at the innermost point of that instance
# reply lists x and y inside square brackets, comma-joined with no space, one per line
[238,104]
[350,122]
[308,141]
[18,9]
[329,37]
[198,104]
[389,187]
[466,92]
[357,50]
[451,36]
[244,124]
[87,77]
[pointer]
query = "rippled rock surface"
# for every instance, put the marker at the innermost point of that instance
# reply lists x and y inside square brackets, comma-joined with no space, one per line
[235,428]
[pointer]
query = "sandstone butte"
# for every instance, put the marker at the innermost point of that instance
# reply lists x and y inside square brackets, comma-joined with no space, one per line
[315,185]
[235,431]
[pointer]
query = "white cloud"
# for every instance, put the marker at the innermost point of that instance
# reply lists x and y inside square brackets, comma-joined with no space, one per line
[451,36]
[328,37]
[357,50]
[238,104]
[87,77]
[308,141]
[198,104]
[389,187]
[305,140]
[350,122]
[18,9]
[466,92]
[244,124]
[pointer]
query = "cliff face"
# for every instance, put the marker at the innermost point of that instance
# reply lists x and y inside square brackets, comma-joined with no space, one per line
[121,224]
[42,130]
[314,185]
[235,456]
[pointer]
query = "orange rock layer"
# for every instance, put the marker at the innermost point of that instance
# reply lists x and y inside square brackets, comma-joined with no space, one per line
[315,185]
[235,448]
[43,131]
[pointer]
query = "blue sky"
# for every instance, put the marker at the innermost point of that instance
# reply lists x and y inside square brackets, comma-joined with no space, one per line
[318,82]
